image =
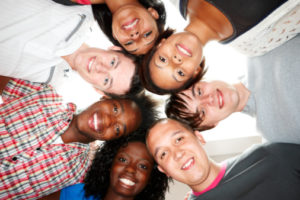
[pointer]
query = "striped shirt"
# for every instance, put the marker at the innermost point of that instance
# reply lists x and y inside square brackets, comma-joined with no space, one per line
[31,118]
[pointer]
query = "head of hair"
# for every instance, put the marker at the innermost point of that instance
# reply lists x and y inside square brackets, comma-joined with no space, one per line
[176,108]
[97,179]
[103,16]
[144,70]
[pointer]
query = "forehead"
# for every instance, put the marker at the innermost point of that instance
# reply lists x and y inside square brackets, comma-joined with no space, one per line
[162,131]
[136,149]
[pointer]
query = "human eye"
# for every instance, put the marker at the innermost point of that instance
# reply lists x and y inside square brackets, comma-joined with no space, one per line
[113,62]
[115,108]
[199,92]
[162,155]
[162,59]
[117,130]
[180,73]
[147,34]
[122,159]
[106,80]
[178,140]
[128,43]
[143,166]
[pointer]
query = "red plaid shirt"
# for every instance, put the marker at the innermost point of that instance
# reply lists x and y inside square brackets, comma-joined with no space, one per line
[31,118]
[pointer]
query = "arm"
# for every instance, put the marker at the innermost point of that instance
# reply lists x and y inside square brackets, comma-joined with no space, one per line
[3,82]
[40,172]
[15,88]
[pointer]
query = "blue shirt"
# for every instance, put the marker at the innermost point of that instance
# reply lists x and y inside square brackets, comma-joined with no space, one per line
[75,192]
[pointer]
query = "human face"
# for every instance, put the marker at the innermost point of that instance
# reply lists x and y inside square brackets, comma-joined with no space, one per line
[109,119]
[131,170]
[178,152]
[176,61]
[214,101]
[108,71]
[135,28]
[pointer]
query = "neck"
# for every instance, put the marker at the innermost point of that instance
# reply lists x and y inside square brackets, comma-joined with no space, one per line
[207,22]
[115,196]
[114,5]
[70,59]
[72,134]
[244,94]
[214,171]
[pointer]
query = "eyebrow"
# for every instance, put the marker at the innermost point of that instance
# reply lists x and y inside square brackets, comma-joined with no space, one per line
[157,148]
[193,90]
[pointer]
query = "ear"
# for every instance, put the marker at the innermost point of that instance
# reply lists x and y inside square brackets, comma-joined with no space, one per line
[115,48]
[161,170]
[153,12]
[100,91]
[200,137]
[161,42]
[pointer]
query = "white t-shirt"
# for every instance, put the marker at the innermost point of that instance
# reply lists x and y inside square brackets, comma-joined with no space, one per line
[34,34]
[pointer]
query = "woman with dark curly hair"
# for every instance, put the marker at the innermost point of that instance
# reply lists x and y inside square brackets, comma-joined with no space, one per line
[121,169]
[131,24]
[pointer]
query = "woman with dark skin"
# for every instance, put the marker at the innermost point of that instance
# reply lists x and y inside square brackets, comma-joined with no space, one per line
[131,24]
[173,64]
[121,170]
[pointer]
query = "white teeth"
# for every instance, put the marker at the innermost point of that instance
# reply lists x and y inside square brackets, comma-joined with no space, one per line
[95,121]
[127,182]
[91,63]
[183,50]
[132,24]
[188,163]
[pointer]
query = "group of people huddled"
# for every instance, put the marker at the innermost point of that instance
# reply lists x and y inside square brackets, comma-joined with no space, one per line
[49,149]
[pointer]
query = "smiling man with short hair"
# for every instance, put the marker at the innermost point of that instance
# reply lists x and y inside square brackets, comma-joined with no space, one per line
[267,171]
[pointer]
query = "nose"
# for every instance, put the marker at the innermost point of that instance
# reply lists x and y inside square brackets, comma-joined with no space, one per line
[108,120]
[135,35]
[207,99]
[130,168]
[178,154]
[177,59]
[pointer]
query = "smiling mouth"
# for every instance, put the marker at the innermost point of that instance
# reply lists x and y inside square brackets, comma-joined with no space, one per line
[130,25]
[94,123]
[220,99]
[127,182]
[183,50]
[90,63]
[188,164]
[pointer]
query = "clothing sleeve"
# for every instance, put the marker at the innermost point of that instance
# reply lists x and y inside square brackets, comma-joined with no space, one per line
[42,171]
[66,2]
[18,88]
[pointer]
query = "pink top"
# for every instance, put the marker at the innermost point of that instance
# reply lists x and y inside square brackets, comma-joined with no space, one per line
[87,2]
[215,182]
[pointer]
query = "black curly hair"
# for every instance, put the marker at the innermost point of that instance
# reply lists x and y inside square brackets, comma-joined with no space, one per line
[97,180]
[103,16]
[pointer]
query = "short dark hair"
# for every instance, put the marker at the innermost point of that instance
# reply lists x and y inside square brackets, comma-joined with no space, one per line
[97,179]
[103,16]
[144,70]
[176,108]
